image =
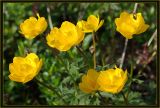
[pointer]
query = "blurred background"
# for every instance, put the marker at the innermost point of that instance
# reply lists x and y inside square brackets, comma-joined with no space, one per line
[65,74]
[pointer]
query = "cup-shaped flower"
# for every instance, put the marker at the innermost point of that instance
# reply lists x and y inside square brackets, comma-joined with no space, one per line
[91,25]
[32,27]
[24,69]
[65,37]
[112,80]
[130,24]
[89,81]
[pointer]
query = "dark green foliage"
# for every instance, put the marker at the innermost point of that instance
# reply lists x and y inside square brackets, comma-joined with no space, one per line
[63,71]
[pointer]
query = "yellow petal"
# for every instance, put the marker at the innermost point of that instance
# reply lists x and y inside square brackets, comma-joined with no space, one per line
[24,69]
[17,60]
[127,25]
[112,80]
[126,30]
[84,88]
[13,77]
[93,22]
[107,79]
[39,65]
[89,81]
[140,18]
[100,24]
[124,15]
[28,77]
[119,72]
[92,76]
[41,25]
[52,36]
[123,25]
[69,30]
[86,27]
[65,37]
[31,20]
[11,68]
[14,69]
[32,59]
[79,24]
[80,35]
[67,27]
[32,27]
[123,82]
[143,29]
[118,22]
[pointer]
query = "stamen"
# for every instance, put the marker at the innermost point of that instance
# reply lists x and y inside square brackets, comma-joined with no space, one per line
[135,16]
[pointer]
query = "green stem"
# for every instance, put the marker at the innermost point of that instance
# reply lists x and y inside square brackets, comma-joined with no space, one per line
[94,47]
[83,55]
[131,74]
[123,56]
[81,52]
[125,99]
[152,37]
[124,53]
[63,62]
[102,98]
[50,88]
[49,17]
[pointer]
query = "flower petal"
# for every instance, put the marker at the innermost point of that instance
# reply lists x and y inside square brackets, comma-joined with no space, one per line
[100,24]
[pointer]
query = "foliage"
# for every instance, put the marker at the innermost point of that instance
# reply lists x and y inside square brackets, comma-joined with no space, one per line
[63,70]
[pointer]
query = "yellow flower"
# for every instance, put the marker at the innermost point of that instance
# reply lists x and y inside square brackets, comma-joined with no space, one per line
[112,80]
[24,69]
[89,81]
[91,25]
[130,24]
[32,27]
[65,37]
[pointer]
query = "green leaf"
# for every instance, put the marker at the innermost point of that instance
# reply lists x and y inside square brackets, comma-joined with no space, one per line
[21,49]
[86,41]
[137,81]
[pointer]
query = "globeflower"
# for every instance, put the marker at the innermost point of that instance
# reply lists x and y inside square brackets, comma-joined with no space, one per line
[112,80]
[24,69]
[91,25]
[32,27]
[130,24]
[65,37]
[89,81]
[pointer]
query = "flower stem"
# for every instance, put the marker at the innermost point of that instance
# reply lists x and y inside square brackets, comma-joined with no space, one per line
[125,99]
[83,54]
[102,98]
[131,75]
[50,88]
[152,37]
[49,17]
[123,56]
[126,41]
[135,8]
[94,47]
[124,53]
